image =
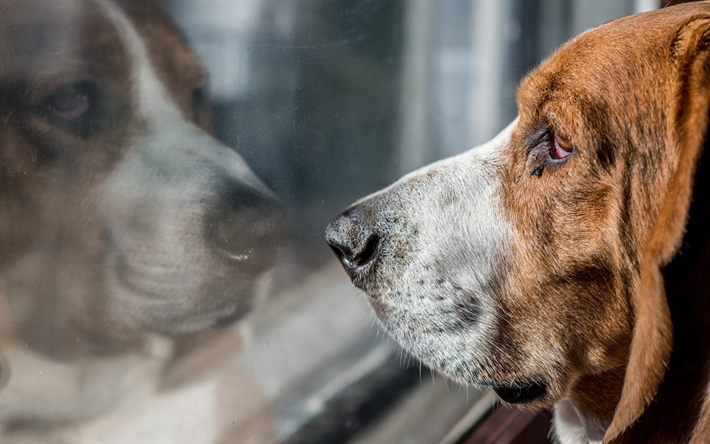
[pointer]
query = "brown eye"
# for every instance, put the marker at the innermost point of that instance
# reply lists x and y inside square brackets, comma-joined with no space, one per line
[556,150]
[69,104]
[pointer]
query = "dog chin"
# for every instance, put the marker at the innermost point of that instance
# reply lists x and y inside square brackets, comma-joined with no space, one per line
[447,358]
[439,356]
[529,391]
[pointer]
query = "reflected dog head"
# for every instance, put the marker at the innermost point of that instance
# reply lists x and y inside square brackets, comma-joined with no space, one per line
[120,212]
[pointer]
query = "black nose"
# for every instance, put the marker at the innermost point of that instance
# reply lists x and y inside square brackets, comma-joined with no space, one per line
[247,227]
[353,242]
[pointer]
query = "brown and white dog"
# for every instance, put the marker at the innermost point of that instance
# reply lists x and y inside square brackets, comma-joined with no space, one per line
[121,216]
[566,262]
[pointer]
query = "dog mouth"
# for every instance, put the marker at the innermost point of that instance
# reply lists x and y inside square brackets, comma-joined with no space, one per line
[522,393]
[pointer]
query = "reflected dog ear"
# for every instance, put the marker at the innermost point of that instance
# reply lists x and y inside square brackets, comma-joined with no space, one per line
[652,338]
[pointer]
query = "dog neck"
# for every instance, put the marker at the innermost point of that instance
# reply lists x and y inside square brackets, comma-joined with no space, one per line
[570,427]
[585,415]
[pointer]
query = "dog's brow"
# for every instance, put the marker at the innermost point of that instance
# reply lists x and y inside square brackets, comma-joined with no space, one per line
[538,88]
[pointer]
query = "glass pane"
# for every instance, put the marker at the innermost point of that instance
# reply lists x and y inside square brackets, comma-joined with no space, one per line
[166,174]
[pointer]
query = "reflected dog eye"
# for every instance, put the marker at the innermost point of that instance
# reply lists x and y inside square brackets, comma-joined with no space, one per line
[556,150]
[70,103]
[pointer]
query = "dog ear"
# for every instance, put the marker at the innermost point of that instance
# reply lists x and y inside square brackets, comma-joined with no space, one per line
[701,433]
[652,338]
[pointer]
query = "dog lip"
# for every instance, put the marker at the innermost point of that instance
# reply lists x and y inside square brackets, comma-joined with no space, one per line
[522,393]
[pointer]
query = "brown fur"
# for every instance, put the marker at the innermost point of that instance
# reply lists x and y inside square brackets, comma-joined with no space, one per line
[632,99]
[182,73]
[652,344]
[702,428]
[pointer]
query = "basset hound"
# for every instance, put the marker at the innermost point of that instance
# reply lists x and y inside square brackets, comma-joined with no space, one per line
[121,216]
[566,263]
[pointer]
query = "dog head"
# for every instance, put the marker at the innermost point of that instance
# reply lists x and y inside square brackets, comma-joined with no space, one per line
[532,264]
[121,213]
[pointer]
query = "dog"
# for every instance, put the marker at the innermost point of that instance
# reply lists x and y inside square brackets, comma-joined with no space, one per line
[123,221]
[566,263]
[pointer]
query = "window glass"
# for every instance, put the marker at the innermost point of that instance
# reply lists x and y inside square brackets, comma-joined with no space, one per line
[167,171]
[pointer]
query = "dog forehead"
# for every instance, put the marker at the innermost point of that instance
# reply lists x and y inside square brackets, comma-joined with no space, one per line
[60,39]
[608,83]
[606,60]
[177,67]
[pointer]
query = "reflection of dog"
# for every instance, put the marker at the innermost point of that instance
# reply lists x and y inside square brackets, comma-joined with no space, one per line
[120,214]
[536,263]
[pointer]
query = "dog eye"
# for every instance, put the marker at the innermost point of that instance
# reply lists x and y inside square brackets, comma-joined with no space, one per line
[70,104]
[556,150]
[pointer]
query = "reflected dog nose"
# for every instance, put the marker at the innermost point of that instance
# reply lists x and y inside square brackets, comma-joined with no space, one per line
[247,228]
[353,242]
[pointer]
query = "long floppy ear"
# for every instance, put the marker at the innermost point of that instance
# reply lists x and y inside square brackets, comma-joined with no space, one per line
[652,339]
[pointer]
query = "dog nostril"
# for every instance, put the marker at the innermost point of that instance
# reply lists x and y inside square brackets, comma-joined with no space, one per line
[369,253]
[353,259]
[248,240]
[355,245]
[248,230]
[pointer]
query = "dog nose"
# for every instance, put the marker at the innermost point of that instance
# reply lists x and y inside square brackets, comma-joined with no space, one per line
[248,227]
[353,242]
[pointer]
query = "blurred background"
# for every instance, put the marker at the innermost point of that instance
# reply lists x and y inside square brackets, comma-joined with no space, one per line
[328,101]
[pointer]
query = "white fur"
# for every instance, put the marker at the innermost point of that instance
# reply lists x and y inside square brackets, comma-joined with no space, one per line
[448,220]
[571,428]
[445,235]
